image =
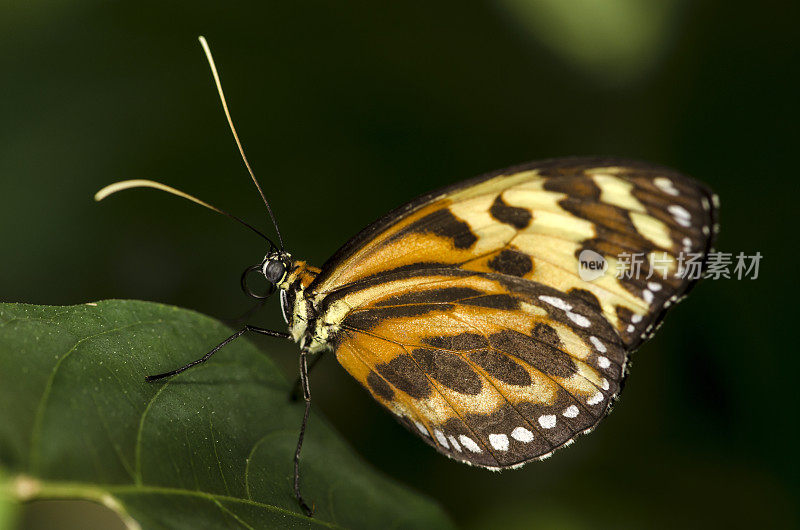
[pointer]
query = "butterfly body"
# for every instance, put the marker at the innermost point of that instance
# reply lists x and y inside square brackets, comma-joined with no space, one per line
[463,314]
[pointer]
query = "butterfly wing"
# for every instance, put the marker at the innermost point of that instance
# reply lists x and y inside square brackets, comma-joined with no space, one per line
[463,312]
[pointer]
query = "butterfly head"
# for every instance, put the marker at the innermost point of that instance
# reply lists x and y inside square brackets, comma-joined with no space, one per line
[274,268]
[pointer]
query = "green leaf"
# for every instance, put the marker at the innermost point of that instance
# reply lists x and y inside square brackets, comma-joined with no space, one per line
[209,448]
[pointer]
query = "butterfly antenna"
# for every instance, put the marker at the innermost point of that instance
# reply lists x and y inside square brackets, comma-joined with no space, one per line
[141,183]
[213,66]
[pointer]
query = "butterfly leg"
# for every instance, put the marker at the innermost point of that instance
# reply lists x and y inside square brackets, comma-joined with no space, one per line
[218,347]
[294,395]
[307,397]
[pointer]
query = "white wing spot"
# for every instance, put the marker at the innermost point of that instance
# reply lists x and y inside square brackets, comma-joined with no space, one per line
[521,434]
[454,442]
[705,204]
[606,385]
[715,200]
[469,443]
[680,214]
[666,185]
[571,411]
[706,230]
[597,343]
[647,296]
[499,441]
[636,319]
[654,286]
[679,211]
[422,428]
[630,328]
[580,320]
[555,302]
[441,438]
[595,399]
[547,421]
[603,362]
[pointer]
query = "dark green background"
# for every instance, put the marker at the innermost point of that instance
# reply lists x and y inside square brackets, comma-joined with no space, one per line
[349,109]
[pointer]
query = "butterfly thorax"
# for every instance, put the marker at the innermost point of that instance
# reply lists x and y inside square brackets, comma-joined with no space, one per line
[298,308]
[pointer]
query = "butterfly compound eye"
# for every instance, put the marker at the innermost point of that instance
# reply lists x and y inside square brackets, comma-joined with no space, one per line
[274,270]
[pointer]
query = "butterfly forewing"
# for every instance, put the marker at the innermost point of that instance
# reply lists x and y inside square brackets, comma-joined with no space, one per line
[464,314]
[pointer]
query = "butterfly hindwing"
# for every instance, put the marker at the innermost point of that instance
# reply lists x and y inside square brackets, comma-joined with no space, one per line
[463,312]
[489,371]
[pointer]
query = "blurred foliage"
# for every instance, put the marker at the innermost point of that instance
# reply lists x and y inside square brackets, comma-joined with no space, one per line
[8,505]
[70,515]
[346,111]
[209,448]
[615,42]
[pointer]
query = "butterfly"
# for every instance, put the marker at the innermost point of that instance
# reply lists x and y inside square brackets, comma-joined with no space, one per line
[463,312]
